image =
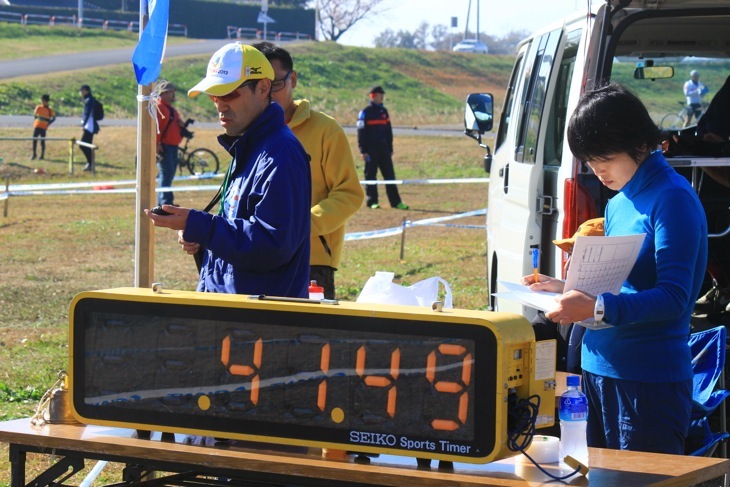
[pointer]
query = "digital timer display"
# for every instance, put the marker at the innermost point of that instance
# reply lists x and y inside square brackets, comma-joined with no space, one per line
[296,375]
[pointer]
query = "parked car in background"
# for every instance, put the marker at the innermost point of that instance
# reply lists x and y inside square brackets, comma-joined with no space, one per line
[471,45]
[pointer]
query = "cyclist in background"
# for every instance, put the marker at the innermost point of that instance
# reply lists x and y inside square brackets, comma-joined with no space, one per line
[694,91]
[168,139]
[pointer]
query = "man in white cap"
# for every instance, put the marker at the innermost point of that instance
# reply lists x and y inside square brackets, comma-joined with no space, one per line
[694,90]
[258,243]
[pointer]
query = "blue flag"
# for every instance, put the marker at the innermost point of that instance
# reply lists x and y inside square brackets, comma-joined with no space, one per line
[147,57]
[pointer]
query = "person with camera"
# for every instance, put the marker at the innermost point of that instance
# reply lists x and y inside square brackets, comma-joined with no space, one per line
[171,129]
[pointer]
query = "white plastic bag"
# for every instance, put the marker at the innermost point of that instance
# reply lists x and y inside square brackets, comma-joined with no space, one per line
[381,289]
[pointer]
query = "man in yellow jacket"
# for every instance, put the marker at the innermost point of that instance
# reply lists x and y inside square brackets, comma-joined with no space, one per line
[336,190]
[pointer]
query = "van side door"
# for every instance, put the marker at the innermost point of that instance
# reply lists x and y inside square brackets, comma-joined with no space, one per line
[518,183]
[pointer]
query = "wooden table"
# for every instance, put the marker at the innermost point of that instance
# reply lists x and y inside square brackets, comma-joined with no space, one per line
[249,465]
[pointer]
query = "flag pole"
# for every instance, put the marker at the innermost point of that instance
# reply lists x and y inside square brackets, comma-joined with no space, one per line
[146,149]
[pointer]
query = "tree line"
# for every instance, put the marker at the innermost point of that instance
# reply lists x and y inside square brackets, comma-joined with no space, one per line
[439,38]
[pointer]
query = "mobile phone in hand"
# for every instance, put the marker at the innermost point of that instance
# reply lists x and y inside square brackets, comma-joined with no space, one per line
[157,210]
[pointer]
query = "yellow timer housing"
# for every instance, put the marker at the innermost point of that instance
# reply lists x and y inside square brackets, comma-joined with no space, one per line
[401,380]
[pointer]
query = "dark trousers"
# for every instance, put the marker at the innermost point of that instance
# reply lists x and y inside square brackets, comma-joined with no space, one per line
[639,416]
[88,137]
[39,133]
[166,165]
[385,163]
[325,277]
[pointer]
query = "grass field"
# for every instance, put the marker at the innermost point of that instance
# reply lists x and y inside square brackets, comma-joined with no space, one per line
[58,245]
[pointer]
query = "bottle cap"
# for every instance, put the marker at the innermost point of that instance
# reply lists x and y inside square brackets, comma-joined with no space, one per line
[573,380]
[313,288]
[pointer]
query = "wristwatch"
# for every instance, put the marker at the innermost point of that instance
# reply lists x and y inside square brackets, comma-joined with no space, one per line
[599,310]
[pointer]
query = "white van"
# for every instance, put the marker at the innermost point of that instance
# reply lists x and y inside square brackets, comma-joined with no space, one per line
[538,191]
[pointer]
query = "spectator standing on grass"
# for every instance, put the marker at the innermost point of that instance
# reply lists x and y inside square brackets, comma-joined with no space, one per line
[89,125]
[336,190]
[637,373]
[375,140]
[43,116]
[170,123]
[694,90]
[258,243]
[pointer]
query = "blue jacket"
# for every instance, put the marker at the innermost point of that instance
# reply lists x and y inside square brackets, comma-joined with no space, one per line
[648,342]
[374,132]
[87,117]
[259,244]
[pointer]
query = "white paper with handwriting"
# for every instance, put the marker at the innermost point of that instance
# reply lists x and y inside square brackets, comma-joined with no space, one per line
[598,265]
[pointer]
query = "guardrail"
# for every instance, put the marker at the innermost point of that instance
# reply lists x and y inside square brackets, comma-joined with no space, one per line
[117,25]
[11,17]
[292,36]
[177,30]
[91,23]
[85,22]
[62,20]
[36,19]
[255,33]
[242,32]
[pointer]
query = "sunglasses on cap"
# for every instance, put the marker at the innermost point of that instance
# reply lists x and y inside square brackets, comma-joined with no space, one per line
[233,94]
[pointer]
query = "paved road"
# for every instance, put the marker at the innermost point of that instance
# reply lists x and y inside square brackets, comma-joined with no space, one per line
[92,59]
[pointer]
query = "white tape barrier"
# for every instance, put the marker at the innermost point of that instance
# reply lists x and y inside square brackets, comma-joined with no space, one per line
[371,182]
[387,232]
[106,186]
[111,187]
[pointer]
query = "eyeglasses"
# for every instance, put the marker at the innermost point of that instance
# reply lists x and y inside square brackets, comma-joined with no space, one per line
[233,94]
[278,84]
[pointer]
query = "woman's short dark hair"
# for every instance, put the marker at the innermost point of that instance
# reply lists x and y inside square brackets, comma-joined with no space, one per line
[609,121]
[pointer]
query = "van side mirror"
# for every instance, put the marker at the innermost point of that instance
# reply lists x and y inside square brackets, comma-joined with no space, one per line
[478,113]
[654,72]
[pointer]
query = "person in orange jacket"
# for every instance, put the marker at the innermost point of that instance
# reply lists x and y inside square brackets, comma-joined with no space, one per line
[168,140]
[43,116]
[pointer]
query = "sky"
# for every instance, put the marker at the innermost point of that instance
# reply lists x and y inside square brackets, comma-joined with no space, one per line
[496,17]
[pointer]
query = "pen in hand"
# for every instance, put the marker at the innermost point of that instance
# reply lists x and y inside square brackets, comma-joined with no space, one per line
[535,256]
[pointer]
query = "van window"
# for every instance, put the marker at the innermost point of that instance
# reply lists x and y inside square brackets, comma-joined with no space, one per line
[540,63]
[553,151]
[508,102]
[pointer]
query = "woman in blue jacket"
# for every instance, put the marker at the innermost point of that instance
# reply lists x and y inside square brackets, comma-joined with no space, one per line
[637,373]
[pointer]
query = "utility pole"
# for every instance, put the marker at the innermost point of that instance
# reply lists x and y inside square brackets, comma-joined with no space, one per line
[466,25]
[477,19]
[81,9]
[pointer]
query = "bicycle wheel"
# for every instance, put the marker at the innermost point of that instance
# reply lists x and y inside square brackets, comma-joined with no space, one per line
[672,121]
[201,161]
[181,161]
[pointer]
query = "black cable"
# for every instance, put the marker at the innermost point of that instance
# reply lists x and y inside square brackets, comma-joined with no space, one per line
[521,419]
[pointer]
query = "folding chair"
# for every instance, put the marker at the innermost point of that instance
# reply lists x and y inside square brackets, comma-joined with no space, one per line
[708,392]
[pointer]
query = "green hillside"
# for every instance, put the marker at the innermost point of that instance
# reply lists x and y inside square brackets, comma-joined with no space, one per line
[424,88]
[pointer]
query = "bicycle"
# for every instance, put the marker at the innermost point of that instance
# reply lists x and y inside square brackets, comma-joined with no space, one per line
[677,121]
[197,161]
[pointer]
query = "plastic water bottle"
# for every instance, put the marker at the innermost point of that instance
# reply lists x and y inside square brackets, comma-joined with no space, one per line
[315,292]
[573,412]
